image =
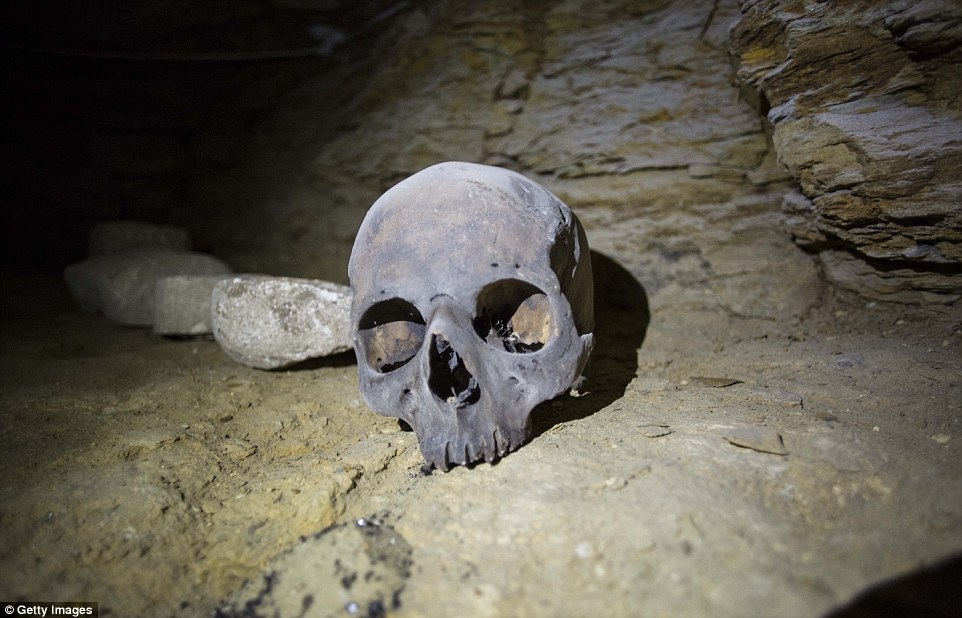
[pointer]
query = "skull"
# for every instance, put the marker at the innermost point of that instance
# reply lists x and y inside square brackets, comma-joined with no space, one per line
[472,305]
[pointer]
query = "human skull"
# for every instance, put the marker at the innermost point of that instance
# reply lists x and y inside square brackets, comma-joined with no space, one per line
[472,305]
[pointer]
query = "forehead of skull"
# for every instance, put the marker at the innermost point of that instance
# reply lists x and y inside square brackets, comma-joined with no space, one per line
[453,223]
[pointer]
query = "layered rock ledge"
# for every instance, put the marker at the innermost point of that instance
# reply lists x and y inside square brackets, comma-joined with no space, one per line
[866,113]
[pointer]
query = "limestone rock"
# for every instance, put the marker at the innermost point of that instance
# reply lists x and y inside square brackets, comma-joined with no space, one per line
[271,322]
[112,237]
[182,304]
[866,114]
[889,284]
[122,286]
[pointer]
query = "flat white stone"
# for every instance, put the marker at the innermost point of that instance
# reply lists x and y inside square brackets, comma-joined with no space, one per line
[122,286]
[271,322]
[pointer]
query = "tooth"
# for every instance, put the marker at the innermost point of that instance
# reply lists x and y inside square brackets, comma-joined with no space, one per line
[485,448]
[445,458]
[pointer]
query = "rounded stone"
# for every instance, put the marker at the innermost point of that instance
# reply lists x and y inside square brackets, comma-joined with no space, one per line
[270,322]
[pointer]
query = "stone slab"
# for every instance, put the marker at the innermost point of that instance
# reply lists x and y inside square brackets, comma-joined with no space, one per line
[122,286]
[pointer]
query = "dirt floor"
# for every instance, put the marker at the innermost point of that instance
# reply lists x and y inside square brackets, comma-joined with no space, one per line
[717,465]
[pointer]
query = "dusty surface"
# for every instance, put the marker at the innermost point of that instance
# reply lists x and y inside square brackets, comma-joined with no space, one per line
[156,476]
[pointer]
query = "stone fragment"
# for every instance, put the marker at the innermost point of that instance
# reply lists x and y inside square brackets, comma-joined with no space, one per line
[761,439]
[656,431]
[182,304]
[122,286]
[112,237]
[271,322]
[715,382]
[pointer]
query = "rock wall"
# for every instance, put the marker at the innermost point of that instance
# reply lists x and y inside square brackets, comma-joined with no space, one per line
[865,105]
[840,129]
[625,110]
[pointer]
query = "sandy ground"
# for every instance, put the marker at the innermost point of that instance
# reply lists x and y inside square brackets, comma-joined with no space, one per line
[156,476]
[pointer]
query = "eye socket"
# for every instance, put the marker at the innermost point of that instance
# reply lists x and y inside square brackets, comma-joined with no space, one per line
[514,315]
[391,334]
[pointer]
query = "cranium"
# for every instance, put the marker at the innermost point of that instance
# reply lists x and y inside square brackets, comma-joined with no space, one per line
[472,305]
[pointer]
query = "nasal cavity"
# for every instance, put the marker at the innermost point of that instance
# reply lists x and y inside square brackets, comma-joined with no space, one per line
[448,378]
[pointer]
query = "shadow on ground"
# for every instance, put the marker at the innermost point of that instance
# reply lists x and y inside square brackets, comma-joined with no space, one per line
[341,359]
[621,321]
[933,592]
